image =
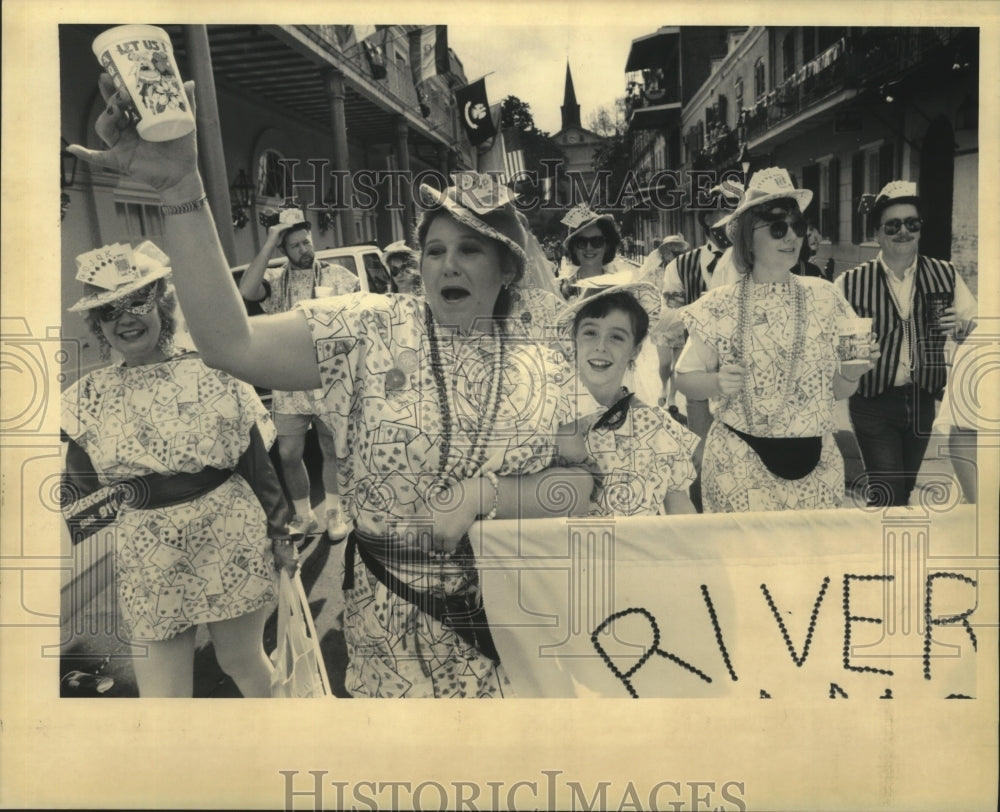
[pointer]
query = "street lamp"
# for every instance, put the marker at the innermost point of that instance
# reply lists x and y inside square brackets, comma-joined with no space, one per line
[745,161]
[67,176]
[67,165]
[240,196]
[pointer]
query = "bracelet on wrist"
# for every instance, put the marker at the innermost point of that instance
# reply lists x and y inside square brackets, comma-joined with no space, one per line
[494,480]
[186,207]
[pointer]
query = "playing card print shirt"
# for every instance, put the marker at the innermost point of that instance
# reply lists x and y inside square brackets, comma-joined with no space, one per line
[201,561]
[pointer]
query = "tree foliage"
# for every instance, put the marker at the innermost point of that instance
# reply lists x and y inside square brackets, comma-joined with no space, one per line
[516,114]
[609,122]
[614,155]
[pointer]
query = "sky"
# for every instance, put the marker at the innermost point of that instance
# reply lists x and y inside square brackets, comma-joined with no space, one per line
[530,62]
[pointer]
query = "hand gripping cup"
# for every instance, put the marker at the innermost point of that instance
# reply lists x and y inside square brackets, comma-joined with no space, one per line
[937,303]
[853,343]
[140,60]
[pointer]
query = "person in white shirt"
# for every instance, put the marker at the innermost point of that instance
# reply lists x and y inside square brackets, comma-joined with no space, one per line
[665,252]
[684,280]
[967,407]
[277,290]
[915,302]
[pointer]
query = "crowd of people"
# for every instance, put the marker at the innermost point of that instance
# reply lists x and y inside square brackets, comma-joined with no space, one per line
[483,373]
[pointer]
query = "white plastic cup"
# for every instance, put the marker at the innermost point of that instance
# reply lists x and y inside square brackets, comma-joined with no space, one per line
[140,60]
[854,339]
[323,292]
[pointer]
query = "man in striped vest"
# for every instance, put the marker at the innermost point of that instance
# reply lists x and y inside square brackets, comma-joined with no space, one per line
[914,302]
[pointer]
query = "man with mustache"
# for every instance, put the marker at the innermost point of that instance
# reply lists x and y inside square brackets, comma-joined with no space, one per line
[915,302]
[277,290]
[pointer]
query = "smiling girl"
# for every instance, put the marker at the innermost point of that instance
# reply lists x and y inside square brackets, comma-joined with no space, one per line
[640,455]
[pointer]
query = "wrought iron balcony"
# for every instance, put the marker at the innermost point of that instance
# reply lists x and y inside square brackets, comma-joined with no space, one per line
[857,61]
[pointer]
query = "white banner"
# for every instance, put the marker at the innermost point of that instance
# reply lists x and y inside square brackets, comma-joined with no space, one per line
[840,604]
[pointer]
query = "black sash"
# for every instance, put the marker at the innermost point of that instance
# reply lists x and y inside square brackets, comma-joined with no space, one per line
[89,512]
[785,457]
[464,614]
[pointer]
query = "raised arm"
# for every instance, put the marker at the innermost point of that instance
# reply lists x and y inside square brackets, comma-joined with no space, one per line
[251,287]
[272,351]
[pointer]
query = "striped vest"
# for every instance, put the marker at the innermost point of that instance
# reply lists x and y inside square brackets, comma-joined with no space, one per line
[689,270]
[868,293]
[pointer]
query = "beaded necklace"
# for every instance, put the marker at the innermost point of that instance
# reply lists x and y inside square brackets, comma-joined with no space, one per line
[742,342]
[477,451]
[909,322]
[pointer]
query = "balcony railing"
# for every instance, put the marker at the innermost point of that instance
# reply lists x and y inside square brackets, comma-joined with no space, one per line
[868,59]
[398,81]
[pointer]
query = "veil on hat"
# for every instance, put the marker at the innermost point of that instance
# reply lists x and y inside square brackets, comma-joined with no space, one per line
[539,272]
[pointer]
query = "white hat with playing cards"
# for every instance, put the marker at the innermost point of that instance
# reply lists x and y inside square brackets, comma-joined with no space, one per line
[114,271]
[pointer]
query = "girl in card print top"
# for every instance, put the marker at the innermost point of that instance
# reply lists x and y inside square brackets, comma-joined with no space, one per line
[640,455]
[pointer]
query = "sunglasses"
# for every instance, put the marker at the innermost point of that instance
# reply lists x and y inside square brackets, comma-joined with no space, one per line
[139,303]
[396,268]
[779,228]
[912,224]
[593,242]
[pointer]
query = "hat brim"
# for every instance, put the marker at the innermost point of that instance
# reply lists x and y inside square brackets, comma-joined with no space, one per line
[646,294]
[801,196]
[682,245]
[605,218]
[882,203]
[298,224]
[398,249]
[92,300]
[438,199]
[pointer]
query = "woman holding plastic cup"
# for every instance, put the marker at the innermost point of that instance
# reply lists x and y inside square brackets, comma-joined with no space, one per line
[457,422]
[764,351]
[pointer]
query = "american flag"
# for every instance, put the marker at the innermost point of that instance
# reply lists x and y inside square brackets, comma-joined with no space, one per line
[513,155]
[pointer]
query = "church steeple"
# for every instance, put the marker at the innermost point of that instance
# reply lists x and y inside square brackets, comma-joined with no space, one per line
[570,109]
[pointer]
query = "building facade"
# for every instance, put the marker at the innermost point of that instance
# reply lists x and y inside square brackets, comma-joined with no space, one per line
[844,110]
[663,71]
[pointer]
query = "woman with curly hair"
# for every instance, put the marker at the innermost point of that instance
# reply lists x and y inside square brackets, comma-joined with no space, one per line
[449,404]
[204,524]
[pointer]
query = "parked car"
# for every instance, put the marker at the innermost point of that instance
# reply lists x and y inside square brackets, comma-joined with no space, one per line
[353,257]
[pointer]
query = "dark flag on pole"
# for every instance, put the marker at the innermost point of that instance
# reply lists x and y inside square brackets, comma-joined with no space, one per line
[474,109]
[376,56]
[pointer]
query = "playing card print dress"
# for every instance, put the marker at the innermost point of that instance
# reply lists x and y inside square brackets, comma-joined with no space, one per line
[384,367]
[200,561]
[786,341]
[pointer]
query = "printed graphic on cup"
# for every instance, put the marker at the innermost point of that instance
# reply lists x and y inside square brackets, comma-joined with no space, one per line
[854,339]
[937,303]
[322,291]
[140,60]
